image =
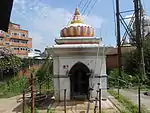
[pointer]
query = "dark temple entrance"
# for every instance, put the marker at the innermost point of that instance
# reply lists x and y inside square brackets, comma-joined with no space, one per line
[79,78]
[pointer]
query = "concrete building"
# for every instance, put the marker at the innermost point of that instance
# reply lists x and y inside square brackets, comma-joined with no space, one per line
[79,61]
[17,40]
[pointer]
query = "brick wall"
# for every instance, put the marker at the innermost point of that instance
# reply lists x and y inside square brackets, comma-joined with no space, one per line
[111,61]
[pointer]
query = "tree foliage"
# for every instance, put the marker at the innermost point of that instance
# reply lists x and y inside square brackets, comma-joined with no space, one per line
[9,63]
[125,80]
[130,63]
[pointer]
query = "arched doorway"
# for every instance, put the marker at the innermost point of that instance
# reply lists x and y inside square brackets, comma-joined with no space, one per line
[79,78]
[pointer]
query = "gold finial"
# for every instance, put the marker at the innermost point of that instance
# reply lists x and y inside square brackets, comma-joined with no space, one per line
[77,12]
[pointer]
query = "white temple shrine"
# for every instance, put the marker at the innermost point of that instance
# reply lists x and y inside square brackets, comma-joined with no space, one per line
[79,62]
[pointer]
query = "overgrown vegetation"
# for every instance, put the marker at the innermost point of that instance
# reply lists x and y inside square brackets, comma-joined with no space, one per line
[13,87]
[128,104]
[130,72]
[44,75]
[130,63]
[124,81]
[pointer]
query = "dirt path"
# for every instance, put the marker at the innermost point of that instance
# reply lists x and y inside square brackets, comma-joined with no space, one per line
[9,105]
[132,95]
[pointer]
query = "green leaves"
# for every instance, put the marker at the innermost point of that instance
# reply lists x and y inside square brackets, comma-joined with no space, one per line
[9,62]
[130,62]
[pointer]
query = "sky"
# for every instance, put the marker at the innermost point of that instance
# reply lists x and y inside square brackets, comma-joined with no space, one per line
[45,18]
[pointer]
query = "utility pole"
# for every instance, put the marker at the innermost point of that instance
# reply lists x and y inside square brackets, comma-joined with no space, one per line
[137,8]
[118,42]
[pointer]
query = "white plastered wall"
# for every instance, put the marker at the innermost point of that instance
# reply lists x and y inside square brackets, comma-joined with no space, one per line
[63,82]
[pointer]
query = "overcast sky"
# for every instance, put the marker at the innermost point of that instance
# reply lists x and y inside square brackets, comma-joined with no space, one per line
[45,18]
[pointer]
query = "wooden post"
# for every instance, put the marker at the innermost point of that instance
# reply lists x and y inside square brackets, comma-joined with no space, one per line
[23,103]
[32,93]
[100,104]
[65,101]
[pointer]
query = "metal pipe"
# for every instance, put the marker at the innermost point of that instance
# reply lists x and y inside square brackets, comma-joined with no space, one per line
[139,99]
[100,104]
[32,93]
[23,103]
[65,110]
[95,108]
[127,11]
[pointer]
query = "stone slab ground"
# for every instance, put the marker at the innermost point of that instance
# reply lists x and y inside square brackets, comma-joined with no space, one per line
[81,107]
[10,105]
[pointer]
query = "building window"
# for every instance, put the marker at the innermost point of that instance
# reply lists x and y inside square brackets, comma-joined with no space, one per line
[7,43]
[15,34]
[24,42]
[1,38]
[23,35]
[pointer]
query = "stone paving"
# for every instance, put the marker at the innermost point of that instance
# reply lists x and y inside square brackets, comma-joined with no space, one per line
[80,107]
[8,105]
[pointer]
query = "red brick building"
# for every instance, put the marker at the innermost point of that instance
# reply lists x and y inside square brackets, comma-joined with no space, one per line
[112,55]
[17,40]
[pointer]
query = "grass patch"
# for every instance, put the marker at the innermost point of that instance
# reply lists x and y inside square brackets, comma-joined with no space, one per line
[128,104]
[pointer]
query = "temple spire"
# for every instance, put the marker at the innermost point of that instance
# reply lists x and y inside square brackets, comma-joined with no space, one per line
[77,17]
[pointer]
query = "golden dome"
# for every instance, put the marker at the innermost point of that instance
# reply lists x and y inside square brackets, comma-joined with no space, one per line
[77,28]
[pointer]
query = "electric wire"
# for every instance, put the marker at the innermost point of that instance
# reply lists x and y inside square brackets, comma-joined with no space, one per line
[113,8]
[85,6]
[88,4]
[80,3]
[91,7]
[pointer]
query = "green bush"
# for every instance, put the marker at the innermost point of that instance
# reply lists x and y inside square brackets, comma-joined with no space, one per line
[13,87]
[124,80]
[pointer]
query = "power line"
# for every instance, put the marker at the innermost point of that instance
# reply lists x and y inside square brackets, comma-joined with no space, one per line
[86,7]
[91,7]
[81,1]
[113,7]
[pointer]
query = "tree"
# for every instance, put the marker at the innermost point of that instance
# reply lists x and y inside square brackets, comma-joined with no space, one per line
[131,61]
[9,63]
